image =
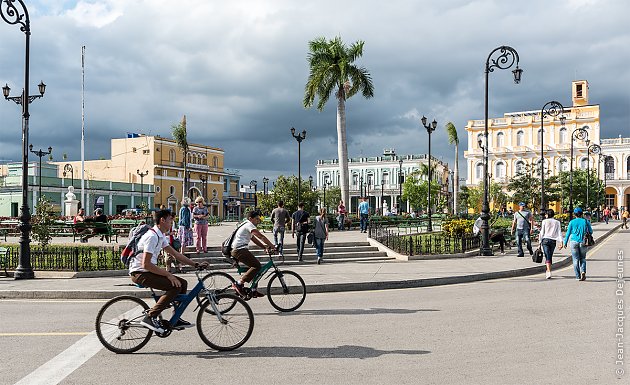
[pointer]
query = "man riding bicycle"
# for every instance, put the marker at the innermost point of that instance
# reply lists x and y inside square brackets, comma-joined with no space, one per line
[240,251]
[144,271]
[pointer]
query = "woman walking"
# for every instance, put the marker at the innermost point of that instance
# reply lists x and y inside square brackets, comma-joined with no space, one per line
[577,229]
[320,234]
[184,231]
[550,233]
[200,213]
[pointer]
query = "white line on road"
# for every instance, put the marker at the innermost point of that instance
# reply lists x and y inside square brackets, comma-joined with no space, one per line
[66,362]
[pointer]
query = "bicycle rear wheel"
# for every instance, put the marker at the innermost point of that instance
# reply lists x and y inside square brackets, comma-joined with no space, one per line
[229,330]
[220,283]
[118,324]
[286,291]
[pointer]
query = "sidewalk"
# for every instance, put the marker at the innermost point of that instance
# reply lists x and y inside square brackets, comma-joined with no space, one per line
[320,278]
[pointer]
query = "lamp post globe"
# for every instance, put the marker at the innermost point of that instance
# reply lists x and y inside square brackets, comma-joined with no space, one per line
[430,128]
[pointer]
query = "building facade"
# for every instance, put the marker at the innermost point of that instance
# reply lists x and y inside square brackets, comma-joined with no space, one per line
[377,177]
[514,141]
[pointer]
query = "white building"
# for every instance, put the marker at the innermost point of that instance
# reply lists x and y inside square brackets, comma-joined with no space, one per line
[616,169]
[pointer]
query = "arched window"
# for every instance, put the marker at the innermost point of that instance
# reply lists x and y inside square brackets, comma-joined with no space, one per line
[172,190]
[520,137]
[355,179]
[479,171]
[500,170]
[563,135]
[171,155]
[520,167]
[583,163]
[609,165]
[479,138]
[500,140]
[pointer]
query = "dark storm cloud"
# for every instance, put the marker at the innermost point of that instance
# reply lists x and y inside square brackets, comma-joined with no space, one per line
[238,69]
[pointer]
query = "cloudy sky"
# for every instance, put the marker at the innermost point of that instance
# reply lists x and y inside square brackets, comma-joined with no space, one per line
[237,70]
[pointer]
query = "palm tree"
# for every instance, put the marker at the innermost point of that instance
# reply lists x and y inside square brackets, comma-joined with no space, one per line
[181,138]
[454,139]
[332,69]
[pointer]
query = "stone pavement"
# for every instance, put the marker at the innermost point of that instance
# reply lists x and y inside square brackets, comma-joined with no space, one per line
[372,275]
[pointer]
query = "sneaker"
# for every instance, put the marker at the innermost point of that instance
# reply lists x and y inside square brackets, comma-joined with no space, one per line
[257,294]
[521,256]
[299,259]
[239,289]
[152,323]
[319,261]
[548,274]
[583,276]
[182,323]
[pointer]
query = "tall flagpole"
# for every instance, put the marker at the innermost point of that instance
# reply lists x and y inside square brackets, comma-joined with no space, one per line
[83,203]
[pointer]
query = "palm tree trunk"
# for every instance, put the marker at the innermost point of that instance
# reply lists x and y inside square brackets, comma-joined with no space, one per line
[456,179]
[342,152]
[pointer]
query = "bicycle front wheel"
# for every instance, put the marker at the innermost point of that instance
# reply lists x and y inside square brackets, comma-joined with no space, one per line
[229,330]
[286,291]
[218,282]
[118,324]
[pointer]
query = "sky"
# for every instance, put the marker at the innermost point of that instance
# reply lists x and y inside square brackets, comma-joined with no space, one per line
[237,70]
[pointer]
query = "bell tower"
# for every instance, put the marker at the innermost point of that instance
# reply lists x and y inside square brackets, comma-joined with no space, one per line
[579,93]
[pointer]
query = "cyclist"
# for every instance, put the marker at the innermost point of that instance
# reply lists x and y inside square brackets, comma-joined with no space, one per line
[143,269]
[240,251]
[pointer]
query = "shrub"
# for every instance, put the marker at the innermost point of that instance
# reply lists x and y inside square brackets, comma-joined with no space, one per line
[458,227]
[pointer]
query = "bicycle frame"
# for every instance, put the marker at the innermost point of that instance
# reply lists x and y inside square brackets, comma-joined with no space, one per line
[263,270]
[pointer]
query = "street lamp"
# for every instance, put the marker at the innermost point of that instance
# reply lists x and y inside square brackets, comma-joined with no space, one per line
[19,16]
[430,128]
[265,183]
[579,134]
[68,168]
[382,195]
[507,56]
[400,182]
[204,185]
[554,109]
[299,137]
[327,183]
[142,175]
[592,149]
[254,184]
[360,187]
[40,153]
[310,182]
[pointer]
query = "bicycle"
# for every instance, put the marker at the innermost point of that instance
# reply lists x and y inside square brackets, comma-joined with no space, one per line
[286,290]
[224,322]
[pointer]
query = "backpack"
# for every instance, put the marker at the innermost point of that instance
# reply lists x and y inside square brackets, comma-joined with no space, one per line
[226,246]
[131,249]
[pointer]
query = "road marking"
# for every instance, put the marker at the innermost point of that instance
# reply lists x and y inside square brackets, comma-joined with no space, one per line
[38,334]
[66,362]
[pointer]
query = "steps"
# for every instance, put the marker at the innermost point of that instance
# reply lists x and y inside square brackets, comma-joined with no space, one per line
[334,252]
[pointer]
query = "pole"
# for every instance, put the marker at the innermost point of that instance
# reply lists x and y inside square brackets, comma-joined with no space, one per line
[400,177]
[552,108]
[83,126]
[142,175]
[581,134]
[430,128]
[299,137]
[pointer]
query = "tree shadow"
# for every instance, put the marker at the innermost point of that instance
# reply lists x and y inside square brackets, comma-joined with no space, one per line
[343,351]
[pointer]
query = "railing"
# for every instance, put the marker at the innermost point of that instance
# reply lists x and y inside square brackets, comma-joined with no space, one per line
[69,258]
[424,244]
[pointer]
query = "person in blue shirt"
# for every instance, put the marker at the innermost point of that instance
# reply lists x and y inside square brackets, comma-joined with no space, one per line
[364,211]
[577,229]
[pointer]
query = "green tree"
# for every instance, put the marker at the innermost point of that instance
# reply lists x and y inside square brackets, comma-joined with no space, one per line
[285,189]
[475,197]
[453,138]
[42,222]
[579,188]
[180,136]
[333,196]
[332,69]
[526,186]
[415,191]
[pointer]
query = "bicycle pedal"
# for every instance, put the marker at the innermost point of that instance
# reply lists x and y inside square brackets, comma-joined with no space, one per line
[179,328]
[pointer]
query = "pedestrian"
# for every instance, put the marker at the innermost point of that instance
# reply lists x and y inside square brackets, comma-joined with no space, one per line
[496,236]
[614,212]
[606,214]
[300,226]
[624,218]
[576,231]
[524,224]
[320,233]
[364,212]
[200,214]
[184,231]
[550,235]
[341,215]
[280,218]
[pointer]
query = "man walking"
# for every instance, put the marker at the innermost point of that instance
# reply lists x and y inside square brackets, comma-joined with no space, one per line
[300,226]
[364,212]
[524,224]
[280,217]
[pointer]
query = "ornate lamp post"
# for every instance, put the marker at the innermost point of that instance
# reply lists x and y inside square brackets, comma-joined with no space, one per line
[327,183]
[507,56]
[554,109]
[400,182]
[18,15]
[40,153]
[592,149]
[360,187]
[142,175]
[265,183]
[254,184]
[310,182]
[204,185]
[430,128]
[299,137]
[68,168]
[579,134]
[382,194]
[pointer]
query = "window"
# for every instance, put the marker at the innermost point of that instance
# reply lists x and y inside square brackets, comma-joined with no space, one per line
[171,155]
[215,162]
[563,135]
[164,172]
[578,90]
[479,140]
[500,170]
[609,165]
[172,190]
[479,171]
[520,136]
[520,167]
[355,179]
[385,178]
[500,140]
[583,163]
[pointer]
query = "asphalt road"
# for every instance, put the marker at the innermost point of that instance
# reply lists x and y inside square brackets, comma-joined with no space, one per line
[513,331]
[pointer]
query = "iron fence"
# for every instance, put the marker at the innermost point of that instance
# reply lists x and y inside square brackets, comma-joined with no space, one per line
[69,258]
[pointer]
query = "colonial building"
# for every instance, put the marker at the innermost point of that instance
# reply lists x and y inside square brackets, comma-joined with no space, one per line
[377,177]
[515,140]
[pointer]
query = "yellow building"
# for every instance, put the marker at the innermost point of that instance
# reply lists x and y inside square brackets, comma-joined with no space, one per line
[162,161]
[514,139]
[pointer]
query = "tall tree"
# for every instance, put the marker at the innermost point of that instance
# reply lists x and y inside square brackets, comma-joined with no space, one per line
[181,138]
[454,139]
[332,70]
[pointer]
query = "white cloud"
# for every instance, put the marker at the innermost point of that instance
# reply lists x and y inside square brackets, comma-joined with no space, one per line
[95,14]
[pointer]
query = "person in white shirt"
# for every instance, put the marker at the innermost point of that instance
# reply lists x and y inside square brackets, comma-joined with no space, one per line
[550,234]
[240,250]
[144,271]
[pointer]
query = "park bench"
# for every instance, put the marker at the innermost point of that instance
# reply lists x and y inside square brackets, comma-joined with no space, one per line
[86,230]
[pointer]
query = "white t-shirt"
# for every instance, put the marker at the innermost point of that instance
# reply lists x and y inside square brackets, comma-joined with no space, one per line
[153,241]
[243,235]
